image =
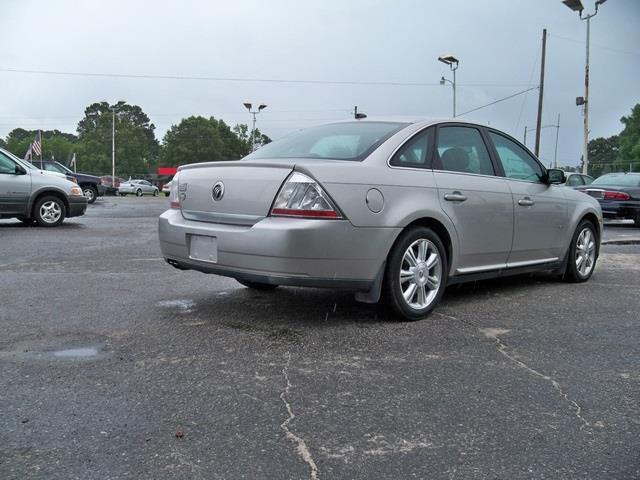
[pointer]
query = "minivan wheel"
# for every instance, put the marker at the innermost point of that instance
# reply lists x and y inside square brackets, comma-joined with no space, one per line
[416,273]
[49,212]
[138,193]
[257,285]
[583,253]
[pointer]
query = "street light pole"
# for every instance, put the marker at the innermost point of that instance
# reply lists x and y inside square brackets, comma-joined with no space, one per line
[453,62]
[113,147]
[248,106]
[576,6]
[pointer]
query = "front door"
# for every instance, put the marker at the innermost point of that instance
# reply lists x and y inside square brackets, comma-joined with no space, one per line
[540,219]
[476,200]
[15,188]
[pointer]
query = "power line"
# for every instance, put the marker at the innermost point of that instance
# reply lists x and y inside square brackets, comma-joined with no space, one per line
[498,101]
[247,79]
[604,47]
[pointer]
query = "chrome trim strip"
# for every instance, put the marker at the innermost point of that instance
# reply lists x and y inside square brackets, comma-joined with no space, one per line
[527,263]
[500,266]
[482,268]
[225,218]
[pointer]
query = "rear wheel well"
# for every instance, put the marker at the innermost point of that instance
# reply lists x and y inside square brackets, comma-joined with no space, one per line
[50,193]
[439,229]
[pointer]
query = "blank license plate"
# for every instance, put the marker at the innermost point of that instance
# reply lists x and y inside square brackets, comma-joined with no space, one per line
[203,248]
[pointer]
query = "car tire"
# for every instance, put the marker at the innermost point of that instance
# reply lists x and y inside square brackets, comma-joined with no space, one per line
[265,287]
[26,221]
[138,193]
[155,193]
[424,273]
[583,253]
[636,220]
[91,193]
[166,194]
[49,211]
[123,194]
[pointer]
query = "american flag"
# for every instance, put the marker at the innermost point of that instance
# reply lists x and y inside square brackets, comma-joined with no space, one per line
[72,163]
[36,147]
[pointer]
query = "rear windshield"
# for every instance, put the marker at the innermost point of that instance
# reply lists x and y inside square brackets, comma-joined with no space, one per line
[618,179]
[337,141]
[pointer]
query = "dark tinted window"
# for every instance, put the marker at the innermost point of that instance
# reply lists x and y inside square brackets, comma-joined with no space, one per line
[462,149]
[587,179]
[414,153]
[516,161]
[336,141]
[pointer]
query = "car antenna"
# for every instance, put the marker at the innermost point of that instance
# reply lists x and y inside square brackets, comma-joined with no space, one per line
[358,116]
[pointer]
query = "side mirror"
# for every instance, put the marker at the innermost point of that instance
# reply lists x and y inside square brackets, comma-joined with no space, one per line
[20,171]
[555,176]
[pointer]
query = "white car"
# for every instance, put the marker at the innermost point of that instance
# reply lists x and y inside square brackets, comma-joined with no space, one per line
[166,188]
[137,187]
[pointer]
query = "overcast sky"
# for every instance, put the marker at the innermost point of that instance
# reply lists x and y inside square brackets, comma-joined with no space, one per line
[498,43]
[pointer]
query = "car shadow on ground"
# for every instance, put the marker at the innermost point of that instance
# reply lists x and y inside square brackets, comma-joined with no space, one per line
[291,308]
[20,225]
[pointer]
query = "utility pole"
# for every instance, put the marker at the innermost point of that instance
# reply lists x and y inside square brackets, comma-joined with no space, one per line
[541,92]
[585,165]
[113,148]
[453,63]
[249,106]
[555,152]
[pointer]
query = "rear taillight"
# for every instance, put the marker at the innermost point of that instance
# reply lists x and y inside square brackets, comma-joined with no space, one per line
[616,196]
[174,194]
[301,196]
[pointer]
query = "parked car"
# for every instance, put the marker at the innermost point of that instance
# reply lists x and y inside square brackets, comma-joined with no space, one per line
[618,194]
[575,179]
[137,187]
[30,194]
[401,209]
[166,188]
[90,184]
[110,184]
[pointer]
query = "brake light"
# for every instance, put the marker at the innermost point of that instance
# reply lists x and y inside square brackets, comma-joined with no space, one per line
[174,194]
[301,196]
[616,196]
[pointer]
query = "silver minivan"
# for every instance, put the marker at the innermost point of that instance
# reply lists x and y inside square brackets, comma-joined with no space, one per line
[33,195]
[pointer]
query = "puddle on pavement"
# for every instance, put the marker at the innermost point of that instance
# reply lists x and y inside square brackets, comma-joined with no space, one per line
[180,305]
[77,352]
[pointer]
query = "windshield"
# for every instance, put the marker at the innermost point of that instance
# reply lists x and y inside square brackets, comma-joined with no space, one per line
[618,179]
[337,141]
[61,168]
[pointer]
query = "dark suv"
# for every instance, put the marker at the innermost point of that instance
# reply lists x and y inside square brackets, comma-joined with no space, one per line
[90,184]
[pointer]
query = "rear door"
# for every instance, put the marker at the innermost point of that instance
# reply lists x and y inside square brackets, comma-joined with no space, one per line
[540,210]
[15,189]
[477,201]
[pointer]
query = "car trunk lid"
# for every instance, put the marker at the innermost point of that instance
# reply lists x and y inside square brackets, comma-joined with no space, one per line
[244,191]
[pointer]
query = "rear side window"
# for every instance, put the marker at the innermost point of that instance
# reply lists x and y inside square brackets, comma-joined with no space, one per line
[462,149]
[415,152]
[587,179]
[517,163]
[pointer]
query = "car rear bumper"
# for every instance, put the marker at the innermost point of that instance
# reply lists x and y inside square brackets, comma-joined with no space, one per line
[282,251]
[77,206]
[620,209]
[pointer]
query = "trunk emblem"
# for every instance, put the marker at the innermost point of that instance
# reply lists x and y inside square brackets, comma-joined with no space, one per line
[217,192]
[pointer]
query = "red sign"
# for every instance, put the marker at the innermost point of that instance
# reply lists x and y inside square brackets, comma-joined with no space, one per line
[169,171]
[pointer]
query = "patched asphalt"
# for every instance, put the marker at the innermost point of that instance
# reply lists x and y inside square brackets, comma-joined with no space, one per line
[115,365]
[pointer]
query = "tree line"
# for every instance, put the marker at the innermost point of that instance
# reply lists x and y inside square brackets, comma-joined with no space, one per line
[618,153]
[193,139]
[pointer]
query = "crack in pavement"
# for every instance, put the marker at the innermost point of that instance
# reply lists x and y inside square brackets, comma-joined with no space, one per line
[301,449]
[503,349]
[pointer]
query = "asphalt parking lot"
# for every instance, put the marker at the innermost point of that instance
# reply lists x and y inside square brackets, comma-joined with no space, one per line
[115,365]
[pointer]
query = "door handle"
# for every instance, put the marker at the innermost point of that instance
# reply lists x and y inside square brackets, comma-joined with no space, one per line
[526,202]
[455,197]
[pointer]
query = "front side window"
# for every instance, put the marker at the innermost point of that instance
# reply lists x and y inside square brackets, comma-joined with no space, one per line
[337,141]
[516,161]
[52,167]
[7,166]
[462,149]
[414,153]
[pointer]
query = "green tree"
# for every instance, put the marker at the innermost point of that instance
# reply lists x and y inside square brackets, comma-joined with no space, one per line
[629,153]
[136,146]
[200,139]
[603,153]
[242,132]
[55,144]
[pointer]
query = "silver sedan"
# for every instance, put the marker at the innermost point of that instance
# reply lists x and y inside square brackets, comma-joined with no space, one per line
[393,209]
[137,188]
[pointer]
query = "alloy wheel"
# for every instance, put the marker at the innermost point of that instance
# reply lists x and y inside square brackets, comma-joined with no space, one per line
[585,252]
[420,274]
[50,211]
